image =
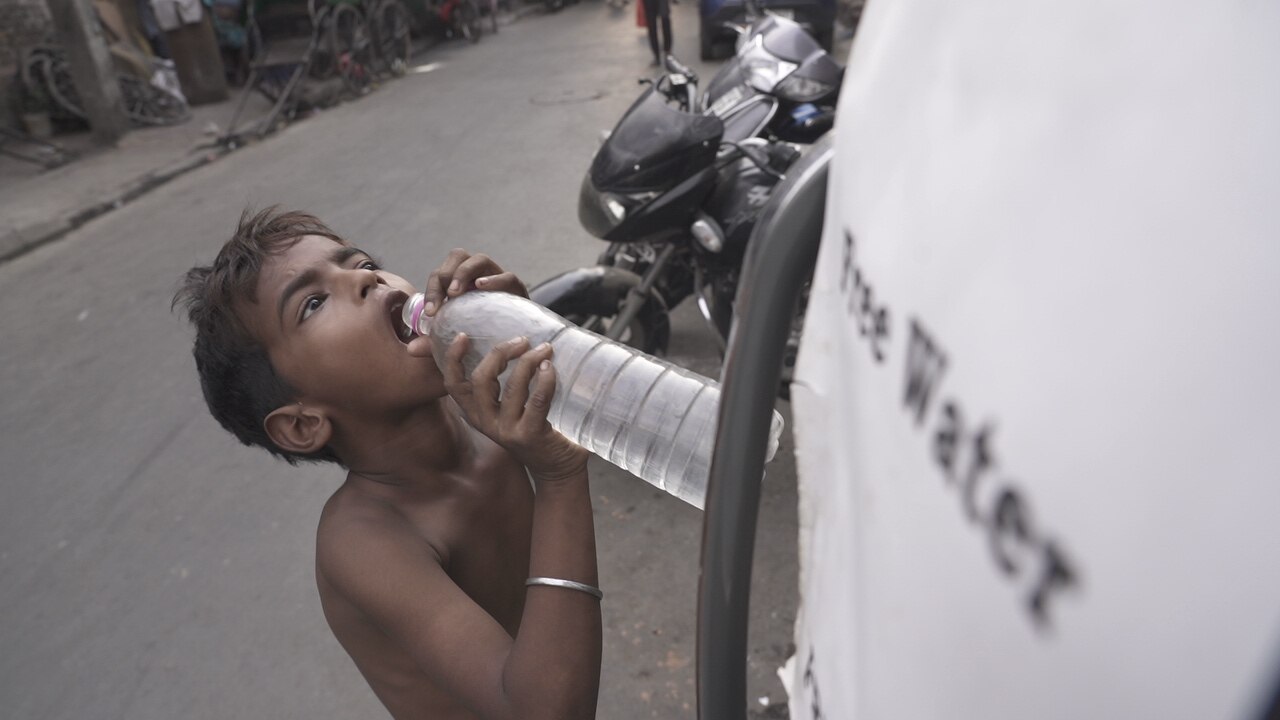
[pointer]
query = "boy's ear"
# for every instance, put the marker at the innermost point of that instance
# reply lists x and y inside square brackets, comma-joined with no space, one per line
[297,429]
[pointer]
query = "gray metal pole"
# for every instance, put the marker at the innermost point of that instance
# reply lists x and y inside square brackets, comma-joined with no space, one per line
[92,69]
[780,257]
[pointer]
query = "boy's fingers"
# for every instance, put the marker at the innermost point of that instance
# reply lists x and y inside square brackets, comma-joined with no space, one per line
[485,376]
[464,276]
[517,390]
[456,381]
[492,365]
[452,370]
[419,347]
[439,281]
[544,388]
[503,282]
[433,293]
[460,272]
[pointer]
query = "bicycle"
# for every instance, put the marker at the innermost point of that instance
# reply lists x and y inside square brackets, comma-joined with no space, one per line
[346,46]
[458,18]
[44,71]
[363,39]
[390,28]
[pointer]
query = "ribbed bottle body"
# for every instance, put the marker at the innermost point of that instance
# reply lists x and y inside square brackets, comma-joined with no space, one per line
[639,412]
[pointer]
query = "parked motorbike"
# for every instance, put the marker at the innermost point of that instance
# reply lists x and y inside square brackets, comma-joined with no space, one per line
[675,192]
[780,64]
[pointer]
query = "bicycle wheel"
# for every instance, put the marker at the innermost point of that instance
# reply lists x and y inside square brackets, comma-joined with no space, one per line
[467,15]
[391,35]
[323,61]
[352,50]
[52,68]
[147,104]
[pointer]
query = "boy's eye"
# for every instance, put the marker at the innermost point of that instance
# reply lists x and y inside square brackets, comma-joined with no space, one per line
[311,304]
[369,265]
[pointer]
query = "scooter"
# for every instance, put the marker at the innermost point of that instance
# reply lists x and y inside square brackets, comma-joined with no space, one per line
[676,194]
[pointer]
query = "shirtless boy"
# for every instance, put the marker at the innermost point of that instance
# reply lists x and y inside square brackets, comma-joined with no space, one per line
[422,554]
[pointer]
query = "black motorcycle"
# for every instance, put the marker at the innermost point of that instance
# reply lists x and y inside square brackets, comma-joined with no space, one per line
[783,67]
[676,194]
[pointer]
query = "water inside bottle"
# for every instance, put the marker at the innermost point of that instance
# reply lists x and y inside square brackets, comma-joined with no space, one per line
[643,414]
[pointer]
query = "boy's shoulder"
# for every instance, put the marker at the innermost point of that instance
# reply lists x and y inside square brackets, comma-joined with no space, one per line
[355,527]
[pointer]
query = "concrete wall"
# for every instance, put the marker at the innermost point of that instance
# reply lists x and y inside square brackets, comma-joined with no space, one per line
[23,23]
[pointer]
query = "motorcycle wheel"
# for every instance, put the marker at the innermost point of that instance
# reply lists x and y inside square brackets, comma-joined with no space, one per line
[636,334]
[649,331]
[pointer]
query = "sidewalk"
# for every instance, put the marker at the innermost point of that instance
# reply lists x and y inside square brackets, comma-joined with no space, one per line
[39,205]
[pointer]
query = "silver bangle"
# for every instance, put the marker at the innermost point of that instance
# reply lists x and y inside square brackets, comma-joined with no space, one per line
[595,592]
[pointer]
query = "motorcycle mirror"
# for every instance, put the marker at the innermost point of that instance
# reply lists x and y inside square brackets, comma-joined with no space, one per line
[674,65]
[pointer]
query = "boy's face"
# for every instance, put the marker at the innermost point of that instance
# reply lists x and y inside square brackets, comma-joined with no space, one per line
[328,317]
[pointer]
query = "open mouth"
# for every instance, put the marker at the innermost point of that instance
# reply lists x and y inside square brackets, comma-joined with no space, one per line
[395,310]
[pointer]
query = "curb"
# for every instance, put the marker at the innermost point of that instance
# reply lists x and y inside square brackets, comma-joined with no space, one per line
[17,241]
[20,240]
[529,9]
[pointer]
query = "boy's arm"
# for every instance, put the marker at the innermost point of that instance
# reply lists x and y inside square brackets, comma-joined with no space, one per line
[558,645]
[551,669]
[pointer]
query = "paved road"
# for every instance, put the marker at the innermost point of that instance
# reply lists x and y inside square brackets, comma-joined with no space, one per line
[151,568]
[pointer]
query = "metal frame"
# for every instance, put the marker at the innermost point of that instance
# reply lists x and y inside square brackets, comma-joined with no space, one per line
[780,258]
[268,56]
[54,155]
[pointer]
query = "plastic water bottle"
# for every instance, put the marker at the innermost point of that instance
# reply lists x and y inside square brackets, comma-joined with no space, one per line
[643,414]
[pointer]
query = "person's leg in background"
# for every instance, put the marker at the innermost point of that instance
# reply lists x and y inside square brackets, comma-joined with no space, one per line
[654,11]
[651,24]
[666,32]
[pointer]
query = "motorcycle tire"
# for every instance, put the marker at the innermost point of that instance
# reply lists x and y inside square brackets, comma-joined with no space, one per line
[649,331]
[637,334]
[706,43]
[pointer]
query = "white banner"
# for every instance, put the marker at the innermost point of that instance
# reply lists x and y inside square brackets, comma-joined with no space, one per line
[1038,413]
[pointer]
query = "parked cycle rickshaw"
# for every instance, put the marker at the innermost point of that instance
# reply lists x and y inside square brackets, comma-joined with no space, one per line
[296,41]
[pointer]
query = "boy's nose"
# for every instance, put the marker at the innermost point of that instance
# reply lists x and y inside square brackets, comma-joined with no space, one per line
[367,280]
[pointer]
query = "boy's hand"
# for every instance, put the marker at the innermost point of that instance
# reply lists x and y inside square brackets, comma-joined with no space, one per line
[515,417]
[462,272]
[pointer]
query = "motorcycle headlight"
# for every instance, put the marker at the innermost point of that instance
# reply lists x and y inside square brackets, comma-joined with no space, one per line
[616,209]
[802,89]
[601,212]
[622,205]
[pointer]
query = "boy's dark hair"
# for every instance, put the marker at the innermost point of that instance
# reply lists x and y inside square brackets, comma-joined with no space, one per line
[240,385]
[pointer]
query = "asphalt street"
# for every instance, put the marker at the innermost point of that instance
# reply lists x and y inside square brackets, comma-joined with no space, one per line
[152,568]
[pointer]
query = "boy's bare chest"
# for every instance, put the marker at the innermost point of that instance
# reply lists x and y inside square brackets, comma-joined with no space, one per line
[484,545]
